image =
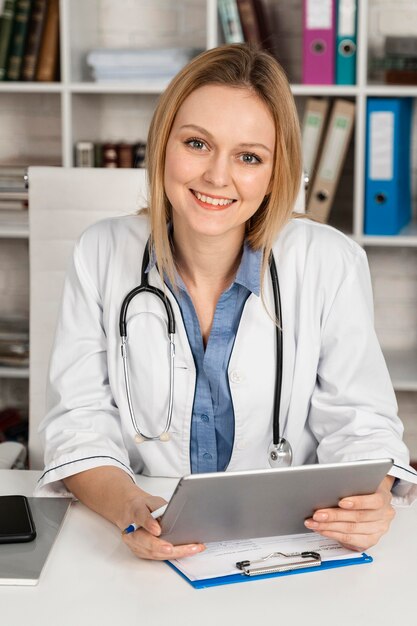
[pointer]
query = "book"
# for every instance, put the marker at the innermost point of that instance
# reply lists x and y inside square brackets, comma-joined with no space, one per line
[48,61]
[84,154]
[401,77]
[125,153]
[6,26]
[249,21]
[18,39]
[98,154]
[264,25]
[230,21]
[139,153]
[33,39]
[110,154]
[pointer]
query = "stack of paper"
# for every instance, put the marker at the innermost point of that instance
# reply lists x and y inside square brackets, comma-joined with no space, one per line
[138,64]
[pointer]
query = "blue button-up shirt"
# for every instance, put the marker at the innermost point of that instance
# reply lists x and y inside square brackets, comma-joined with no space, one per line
[213,424]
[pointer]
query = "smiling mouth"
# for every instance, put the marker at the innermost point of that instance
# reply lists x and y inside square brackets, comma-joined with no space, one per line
[212,201]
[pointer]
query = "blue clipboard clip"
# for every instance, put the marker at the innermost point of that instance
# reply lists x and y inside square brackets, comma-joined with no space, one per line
[308,559]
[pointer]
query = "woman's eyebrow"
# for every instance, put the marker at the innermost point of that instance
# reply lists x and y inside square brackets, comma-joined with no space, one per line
[200,129]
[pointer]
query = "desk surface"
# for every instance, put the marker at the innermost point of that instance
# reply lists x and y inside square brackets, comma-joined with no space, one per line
[92,578]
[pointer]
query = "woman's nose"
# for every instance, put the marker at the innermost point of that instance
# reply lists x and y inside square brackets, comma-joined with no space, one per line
[217,172]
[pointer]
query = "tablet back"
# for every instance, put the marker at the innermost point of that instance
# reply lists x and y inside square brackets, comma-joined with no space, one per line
[262,503]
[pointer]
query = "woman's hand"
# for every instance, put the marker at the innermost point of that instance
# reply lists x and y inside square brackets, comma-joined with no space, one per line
[360,521]
[145,542]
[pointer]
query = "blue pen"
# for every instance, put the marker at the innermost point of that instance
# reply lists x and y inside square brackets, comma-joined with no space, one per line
[132,527]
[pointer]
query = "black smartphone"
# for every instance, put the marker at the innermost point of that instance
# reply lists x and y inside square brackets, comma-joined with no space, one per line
[16,522]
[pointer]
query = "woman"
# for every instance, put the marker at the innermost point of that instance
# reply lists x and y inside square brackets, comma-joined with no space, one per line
[224,167]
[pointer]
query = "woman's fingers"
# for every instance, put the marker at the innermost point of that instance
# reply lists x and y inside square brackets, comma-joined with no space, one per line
[352,528]
[147,546]
[145,542]
[141,512]
[354,541]
[358,522]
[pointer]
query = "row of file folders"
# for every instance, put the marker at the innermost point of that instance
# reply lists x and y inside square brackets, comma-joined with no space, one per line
[329,42]
[326,134]
[329,33]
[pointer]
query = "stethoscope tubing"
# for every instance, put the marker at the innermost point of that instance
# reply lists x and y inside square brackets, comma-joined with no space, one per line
[279,350]
[144,287]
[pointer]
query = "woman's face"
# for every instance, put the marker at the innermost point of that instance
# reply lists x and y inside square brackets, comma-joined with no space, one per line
[219,160]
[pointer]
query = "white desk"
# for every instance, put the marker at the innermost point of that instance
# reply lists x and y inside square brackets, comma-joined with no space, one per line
[92,578]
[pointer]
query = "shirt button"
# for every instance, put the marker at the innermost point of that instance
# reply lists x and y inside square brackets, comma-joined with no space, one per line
[207,456]
[236,376]
[241,445]
[205,418]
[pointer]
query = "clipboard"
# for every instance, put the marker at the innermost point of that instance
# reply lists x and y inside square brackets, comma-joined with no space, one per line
[243,578]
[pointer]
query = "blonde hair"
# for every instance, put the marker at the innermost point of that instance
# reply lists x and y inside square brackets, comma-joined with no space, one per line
[240,66]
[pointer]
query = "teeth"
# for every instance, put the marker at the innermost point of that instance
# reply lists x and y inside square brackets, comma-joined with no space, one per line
[213,201]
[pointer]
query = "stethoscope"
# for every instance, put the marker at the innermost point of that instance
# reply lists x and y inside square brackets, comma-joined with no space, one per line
[279,451]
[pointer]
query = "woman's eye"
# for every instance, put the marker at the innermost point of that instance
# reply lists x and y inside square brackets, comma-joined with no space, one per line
[197,144]
[250,159]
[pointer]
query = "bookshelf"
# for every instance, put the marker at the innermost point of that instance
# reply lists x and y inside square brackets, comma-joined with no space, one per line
[47,119]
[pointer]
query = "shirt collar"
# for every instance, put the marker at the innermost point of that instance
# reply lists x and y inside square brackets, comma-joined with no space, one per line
[248,274]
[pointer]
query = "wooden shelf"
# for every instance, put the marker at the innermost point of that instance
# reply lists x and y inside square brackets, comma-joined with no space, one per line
[14,372]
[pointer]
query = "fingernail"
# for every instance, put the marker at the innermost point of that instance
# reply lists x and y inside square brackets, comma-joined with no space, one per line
[311,524]
[166,549]
[320,517]
[346,503]
[194,549]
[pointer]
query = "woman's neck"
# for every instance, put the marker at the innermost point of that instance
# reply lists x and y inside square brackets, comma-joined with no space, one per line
[208,261]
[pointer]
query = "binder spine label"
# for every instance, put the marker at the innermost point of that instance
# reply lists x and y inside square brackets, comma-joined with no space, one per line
[319,14]
[347,18]
[381,146]
[334,152]
[310,138]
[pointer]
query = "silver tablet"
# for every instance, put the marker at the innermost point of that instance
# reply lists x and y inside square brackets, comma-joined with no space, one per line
[262,503]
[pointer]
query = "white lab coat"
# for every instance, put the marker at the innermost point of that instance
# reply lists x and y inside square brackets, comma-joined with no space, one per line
[337,400]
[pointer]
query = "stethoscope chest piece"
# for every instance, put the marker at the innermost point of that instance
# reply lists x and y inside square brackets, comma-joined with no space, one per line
[280,454]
